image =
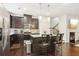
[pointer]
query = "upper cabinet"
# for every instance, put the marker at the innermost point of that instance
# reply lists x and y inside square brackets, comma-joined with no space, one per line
[16,22]
[31,23]
[27,21]
[34,23]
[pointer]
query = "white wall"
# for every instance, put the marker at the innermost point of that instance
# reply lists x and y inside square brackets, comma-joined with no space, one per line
[6,16]
[44,25]
[73,30]
[63,27]
[54,21]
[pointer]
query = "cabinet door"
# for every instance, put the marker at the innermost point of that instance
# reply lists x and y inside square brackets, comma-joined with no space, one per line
[16,22]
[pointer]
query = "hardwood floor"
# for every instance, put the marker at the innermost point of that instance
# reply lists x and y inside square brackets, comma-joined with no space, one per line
[67,50]
[70,50]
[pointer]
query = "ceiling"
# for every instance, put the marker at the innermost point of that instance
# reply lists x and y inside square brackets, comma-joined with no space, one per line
[36,9]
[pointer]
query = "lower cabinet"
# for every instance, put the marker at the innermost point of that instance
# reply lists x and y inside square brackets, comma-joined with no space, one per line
[43,46]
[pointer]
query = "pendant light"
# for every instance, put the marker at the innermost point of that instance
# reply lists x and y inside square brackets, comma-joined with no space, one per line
[40,17]
[48,12]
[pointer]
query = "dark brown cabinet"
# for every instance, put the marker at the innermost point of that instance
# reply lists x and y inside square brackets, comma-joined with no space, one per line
[43,46]
[16,22]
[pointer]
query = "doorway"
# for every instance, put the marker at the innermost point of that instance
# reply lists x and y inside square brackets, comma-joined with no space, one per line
[72,37]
